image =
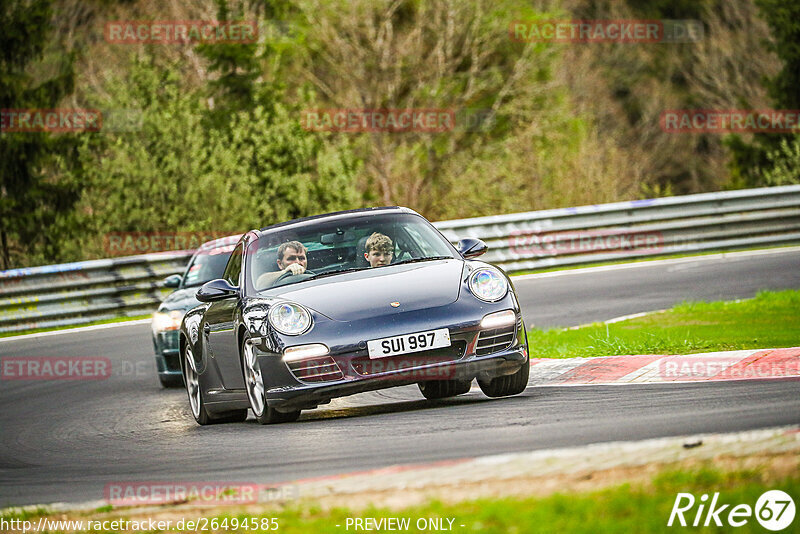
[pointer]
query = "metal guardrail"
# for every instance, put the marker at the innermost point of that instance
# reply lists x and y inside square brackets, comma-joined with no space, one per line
[81,292]
[76,293]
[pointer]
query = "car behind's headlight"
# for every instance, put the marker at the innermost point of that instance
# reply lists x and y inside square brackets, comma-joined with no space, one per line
[164,322]
[487,284]
[289,318]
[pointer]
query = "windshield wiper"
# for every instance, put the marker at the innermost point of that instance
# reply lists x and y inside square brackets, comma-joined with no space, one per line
[337,271]
[429,258]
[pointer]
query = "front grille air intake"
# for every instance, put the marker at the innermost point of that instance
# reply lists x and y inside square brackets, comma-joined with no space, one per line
[323,369]
[494,340]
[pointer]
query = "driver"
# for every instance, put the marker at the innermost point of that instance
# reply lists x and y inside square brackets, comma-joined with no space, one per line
[292,258]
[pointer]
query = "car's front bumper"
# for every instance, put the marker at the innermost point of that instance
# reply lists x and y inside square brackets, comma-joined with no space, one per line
[357,373]
[165,346]
[306,396]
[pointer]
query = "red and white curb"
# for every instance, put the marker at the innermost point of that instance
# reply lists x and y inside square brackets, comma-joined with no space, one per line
[646,369]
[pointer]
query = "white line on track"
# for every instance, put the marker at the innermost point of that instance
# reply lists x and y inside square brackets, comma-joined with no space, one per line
[75,330]
[656,263]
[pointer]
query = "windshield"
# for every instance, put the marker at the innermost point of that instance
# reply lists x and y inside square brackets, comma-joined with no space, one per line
[335,247]
[207,265]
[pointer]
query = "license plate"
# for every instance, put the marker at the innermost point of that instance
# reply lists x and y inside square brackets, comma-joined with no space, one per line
[391,346]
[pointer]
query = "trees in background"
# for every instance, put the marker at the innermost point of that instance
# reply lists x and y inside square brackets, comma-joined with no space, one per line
[217,143]
[34,73]
[771,159]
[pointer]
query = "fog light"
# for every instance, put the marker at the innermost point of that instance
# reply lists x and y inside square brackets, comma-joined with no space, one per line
[498,319]
[302,352]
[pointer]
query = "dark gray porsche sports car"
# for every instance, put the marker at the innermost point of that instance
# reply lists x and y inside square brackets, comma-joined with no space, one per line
[337,304]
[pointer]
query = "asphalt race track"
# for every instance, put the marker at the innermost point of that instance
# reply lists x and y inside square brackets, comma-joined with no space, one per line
[63,441]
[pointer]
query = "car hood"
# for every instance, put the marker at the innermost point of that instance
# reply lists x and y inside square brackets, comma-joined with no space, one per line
[369,293]
[180,299]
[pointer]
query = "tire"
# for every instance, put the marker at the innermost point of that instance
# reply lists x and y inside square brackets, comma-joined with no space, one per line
[170,381]
[254,384]
[503,386]
[197,404]
[442,389]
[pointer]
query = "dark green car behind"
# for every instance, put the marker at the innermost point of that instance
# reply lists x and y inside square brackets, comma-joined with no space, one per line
[208,263]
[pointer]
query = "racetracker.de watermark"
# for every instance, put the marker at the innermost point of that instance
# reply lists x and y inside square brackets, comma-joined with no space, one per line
[55,368]
[584,241]
[70,120]
[378,120]
[56,120]
[125,493]
[133,243]
[181,31]
[690,368]
[730,121]
[606,31]
[419,368]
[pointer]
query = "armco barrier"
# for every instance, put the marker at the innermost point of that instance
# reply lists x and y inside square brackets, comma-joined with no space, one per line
[81,292]
[75,293]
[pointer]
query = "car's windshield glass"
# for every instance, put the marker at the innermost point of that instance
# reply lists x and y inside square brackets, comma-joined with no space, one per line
[207,265]
[335,247]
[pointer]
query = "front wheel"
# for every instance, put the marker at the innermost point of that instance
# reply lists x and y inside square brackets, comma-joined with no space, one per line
[503,386]
[254,384]
[196,402]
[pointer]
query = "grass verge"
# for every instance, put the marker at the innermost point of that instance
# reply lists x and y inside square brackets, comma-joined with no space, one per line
[770,320]
[628,507]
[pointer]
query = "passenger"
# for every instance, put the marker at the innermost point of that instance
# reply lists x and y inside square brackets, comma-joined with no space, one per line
[292,258]
[379,250]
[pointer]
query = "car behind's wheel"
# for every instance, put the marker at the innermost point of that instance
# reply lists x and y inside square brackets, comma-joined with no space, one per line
[503,386]
[254,384]
[441,389]
[196,403]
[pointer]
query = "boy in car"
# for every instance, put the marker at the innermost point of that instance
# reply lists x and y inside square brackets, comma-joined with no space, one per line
[379,250]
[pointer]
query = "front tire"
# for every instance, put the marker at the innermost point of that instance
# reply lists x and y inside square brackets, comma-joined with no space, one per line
[503,386]
[442,389]
[196,402]
[254,384]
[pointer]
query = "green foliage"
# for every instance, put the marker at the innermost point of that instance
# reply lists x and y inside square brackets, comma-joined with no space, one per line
[220,147]
[176,173]
[774,152]
[235,63]
[29,201]
[785,163]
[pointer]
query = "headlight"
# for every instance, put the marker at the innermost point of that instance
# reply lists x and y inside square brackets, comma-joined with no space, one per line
[163,322]
[487,284]
[289,318]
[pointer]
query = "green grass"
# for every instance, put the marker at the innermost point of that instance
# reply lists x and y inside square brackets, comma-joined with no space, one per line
[69,327]
[770,320]
[624,508]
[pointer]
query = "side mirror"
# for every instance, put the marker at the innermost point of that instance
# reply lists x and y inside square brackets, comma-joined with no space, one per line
[173,280]
[471,248]
[214,290]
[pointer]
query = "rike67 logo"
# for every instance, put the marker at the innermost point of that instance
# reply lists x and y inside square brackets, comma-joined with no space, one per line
[774,510]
